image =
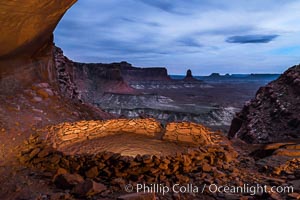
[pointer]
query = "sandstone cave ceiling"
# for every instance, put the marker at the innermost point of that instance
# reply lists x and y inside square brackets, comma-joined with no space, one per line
[27,25]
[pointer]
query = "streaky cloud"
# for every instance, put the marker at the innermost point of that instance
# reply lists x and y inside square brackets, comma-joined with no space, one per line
[245,39]
[169,6]
[165,5]
[189,42]
[148,23]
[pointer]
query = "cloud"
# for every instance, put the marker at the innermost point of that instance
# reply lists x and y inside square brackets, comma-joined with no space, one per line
[244,39]
[148,23]
[227,30]
[189,42]
[199,34]
[165,5]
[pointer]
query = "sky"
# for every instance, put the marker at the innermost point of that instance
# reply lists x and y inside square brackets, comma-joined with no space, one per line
[206,36]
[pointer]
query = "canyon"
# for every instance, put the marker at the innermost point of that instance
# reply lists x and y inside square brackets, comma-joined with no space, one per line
[60,142]
[127,91]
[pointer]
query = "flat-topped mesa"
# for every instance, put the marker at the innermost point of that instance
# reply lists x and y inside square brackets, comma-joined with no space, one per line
[27,38]
[145,74]
[215,75]
[89,81]
[125,71]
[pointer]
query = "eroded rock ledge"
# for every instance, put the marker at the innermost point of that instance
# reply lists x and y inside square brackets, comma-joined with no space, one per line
[273,115]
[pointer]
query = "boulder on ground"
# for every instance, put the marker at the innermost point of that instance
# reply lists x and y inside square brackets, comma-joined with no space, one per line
[137,196]
[67,181]
[88,188]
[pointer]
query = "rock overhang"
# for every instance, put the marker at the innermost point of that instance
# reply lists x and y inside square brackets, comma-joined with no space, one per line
[26,27]
[26,38]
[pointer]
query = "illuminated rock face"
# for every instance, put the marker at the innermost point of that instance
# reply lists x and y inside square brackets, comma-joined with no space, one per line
[26,37]
[187,132]
[26,26]
[68,133]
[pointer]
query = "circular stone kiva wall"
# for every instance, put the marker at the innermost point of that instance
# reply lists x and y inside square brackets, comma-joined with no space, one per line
[198,150]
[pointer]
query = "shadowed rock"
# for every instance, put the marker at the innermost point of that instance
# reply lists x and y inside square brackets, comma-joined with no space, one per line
[273,115]
[88,188]
[67,181]
[189,76]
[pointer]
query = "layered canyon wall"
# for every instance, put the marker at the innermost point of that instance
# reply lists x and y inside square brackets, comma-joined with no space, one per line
[89,81]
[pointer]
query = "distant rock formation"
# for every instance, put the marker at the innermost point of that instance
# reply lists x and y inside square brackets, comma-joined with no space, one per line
[218,76]
[145,74]
[215,75]
[88,82]
[274,114]
[189,76]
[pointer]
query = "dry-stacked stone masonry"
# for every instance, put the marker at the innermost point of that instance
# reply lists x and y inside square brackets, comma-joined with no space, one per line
[209,161]
[68,133]
[188,132]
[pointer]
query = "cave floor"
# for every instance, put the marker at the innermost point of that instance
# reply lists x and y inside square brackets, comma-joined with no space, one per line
[126,145]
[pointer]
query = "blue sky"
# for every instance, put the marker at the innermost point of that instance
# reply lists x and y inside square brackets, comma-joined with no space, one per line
[225,36]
